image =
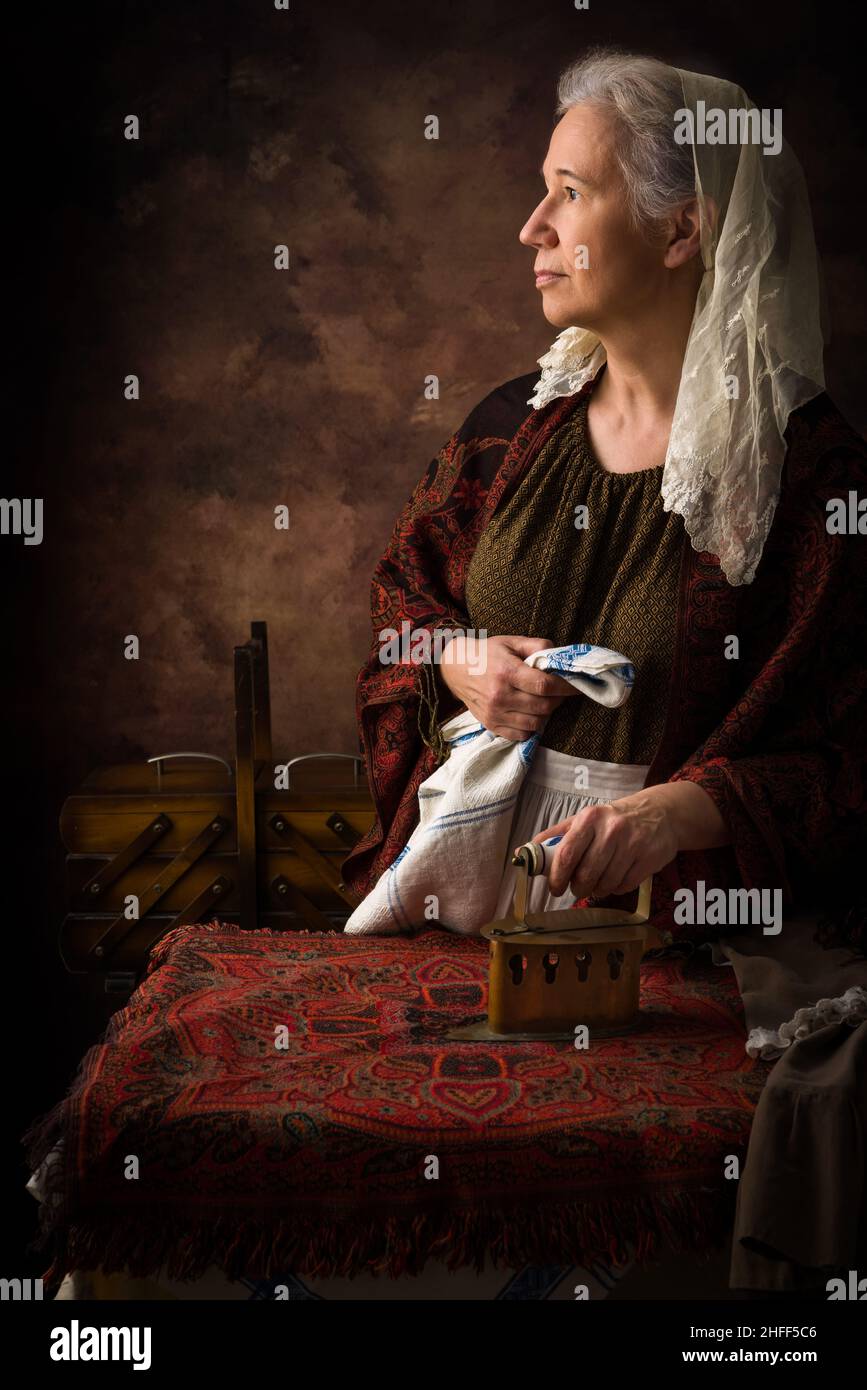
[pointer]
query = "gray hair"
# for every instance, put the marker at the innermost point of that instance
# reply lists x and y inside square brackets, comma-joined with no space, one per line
[643,94]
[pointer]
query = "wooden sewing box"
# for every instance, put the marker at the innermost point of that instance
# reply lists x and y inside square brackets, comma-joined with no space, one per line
[185,837]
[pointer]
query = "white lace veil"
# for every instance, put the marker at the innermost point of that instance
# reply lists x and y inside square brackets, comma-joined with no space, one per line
[755,347]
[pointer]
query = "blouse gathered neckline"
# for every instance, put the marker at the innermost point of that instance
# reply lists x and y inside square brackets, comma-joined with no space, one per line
[581,426]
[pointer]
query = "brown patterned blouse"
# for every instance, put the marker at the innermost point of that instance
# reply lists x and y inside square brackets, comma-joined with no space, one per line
[610,580]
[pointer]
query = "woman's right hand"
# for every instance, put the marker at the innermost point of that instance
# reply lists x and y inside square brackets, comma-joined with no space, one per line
[488,675]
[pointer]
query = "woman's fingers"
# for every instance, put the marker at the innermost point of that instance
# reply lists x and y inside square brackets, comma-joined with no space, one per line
[514,732]
[540,685]
[514,701]
[507,693]
[595,855]
[510,732]
[593,865]
[631,880]
[575,842]
[613,875]
[606,857]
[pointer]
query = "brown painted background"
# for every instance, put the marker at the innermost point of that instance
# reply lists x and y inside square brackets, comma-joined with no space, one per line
[304,387]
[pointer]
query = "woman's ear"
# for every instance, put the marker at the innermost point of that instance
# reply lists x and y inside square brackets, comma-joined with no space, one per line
[685,231]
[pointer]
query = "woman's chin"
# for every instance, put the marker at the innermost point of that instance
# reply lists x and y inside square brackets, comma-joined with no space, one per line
[561,315]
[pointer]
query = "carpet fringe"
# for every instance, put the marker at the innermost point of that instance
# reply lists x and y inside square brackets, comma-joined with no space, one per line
[316,1243]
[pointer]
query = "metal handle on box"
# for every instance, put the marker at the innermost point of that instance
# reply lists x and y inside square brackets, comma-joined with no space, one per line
[165,757]
[307,757]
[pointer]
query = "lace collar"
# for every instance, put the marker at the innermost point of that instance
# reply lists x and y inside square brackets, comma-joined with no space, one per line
[573,359]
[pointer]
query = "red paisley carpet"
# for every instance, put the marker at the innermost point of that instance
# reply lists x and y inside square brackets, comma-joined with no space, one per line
[312,1156]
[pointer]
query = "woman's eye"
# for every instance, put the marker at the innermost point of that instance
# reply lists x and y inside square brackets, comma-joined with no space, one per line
[575,191]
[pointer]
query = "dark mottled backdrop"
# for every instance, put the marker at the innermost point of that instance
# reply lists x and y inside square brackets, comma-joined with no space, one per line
[304,386]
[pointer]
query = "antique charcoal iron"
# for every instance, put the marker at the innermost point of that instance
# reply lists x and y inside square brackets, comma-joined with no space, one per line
[550,972]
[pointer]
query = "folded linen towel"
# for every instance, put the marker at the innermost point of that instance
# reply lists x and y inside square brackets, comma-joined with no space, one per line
[451,869]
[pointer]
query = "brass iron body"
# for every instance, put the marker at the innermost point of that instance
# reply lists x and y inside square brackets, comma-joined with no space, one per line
[550,972]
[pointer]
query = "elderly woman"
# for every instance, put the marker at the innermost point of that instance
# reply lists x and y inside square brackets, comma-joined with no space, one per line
[667,491]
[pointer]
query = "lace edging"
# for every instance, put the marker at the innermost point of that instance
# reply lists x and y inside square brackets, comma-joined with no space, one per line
[770,1043]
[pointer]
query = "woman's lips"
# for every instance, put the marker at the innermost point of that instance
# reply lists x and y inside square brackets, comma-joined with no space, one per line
[545,277]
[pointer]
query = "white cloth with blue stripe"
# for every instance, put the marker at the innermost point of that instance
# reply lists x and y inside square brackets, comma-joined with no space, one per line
[449,873]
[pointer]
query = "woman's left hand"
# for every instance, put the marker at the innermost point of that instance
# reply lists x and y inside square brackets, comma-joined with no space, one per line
[614,847]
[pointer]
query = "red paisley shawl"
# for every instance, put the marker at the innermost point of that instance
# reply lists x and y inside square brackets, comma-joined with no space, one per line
[776,737]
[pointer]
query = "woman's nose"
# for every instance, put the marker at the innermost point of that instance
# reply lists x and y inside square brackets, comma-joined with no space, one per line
[536,231]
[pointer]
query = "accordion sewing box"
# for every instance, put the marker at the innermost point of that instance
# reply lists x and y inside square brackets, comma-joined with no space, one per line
[183,837]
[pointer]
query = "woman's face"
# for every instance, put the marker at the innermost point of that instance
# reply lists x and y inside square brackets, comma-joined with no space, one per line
[604,269]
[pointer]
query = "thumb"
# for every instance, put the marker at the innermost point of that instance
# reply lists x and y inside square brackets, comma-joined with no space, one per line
[526,646]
